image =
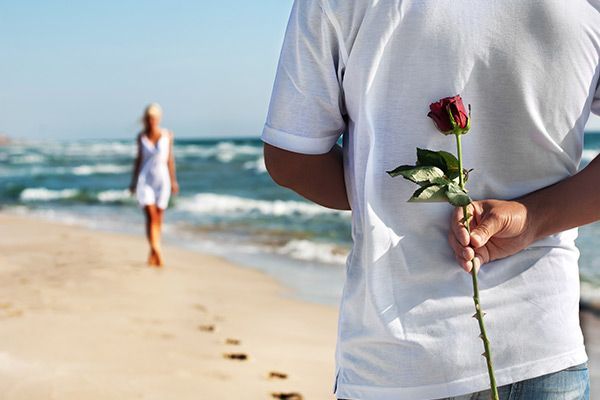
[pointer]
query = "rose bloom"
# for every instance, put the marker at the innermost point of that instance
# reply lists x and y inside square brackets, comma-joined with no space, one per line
[439,114]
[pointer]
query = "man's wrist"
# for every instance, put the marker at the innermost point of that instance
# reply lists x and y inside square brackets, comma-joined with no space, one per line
[535,217]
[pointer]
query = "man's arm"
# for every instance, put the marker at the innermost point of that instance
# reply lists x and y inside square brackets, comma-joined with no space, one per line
[569,203]
[502,228]
[319,178]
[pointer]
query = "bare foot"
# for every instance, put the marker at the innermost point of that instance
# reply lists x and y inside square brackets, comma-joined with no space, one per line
[159,259]
[151,259]
[155,259]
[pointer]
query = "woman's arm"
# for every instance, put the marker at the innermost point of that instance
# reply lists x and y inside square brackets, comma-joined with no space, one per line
[171,164]
[502,228]
[136,165]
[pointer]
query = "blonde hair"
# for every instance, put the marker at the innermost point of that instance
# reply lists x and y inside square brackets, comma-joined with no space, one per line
[153,109]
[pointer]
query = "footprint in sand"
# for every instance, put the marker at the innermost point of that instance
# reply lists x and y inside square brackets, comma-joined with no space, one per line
[231,341]
[287,396]
[200,307]
[236,356]
[277,375]
[8,311]
[207,328]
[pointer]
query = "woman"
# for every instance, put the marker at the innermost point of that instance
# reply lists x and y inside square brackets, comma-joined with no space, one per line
[154,178]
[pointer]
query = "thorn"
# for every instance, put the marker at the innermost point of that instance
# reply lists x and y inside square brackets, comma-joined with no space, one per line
[483,314]
[484,354]
[474,315]
[481,336]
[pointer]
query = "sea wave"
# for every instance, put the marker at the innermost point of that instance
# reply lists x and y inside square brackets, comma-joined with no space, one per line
[114,196]
[26,159]
[44,194]
[589,154]
[89,149]
[100,169]
[308,250]
[212,203]
[223,151]
[258,165]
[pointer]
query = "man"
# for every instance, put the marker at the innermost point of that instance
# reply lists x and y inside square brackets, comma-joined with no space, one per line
[368,70]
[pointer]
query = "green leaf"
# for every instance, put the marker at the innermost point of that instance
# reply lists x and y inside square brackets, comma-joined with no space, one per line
[398,170]
[418,174]
[445,161]
[456,195]
[429,194]
[441,181]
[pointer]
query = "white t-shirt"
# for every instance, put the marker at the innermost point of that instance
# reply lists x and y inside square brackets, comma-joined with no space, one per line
[368,69]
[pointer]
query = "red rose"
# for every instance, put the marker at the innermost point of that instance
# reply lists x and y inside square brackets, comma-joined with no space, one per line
[440,114]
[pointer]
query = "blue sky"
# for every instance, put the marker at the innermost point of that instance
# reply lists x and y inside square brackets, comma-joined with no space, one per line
[86,68]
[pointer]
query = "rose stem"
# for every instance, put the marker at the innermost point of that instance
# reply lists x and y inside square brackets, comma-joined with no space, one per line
[478,312]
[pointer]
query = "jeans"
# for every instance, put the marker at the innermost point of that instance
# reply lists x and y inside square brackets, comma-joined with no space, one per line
[572,383]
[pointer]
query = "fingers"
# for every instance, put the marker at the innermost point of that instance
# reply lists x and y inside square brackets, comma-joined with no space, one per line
[462,253]
[457,227]
[466,255]
[490,225]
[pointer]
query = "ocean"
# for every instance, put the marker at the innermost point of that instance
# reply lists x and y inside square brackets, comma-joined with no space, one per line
[228,205]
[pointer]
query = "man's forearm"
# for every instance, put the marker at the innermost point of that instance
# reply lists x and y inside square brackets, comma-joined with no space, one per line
[319,178]
[572,202]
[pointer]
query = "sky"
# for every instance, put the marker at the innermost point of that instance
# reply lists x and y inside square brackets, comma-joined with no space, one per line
[86,69]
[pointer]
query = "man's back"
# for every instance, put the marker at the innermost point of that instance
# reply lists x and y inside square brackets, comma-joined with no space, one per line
[370,69]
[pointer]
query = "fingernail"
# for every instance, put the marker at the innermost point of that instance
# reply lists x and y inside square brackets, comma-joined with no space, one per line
[476,237]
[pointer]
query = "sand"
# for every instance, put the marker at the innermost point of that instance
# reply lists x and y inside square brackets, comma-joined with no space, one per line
[82,317]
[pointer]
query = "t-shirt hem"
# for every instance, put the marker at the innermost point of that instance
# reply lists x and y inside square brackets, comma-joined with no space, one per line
[297,143]
[464,386]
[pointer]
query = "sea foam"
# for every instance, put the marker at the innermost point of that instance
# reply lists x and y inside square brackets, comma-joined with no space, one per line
[226,204]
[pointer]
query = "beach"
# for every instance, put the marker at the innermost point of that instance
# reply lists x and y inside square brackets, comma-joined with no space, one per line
[84,318]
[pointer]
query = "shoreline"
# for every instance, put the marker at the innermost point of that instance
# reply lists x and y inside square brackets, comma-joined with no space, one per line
[140,330]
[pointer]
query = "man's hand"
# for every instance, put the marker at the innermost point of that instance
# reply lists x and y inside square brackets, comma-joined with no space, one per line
[499,228]
[506,227]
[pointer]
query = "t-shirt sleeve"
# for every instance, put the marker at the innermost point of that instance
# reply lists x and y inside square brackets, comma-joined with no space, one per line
[306,109]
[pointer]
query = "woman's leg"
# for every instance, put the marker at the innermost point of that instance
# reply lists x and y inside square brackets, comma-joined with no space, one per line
[159,220]
[153,233]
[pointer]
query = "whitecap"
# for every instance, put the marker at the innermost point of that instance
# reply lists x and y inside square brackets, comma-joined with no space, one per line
[43,194]
[100,169]
[589,154]
[223,151]
[258,165]
[212,203]
[112,196]
[307,250]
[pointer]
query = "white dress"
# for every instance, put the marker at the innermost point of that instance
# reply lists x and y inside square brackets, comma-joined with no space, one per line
[154,182]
